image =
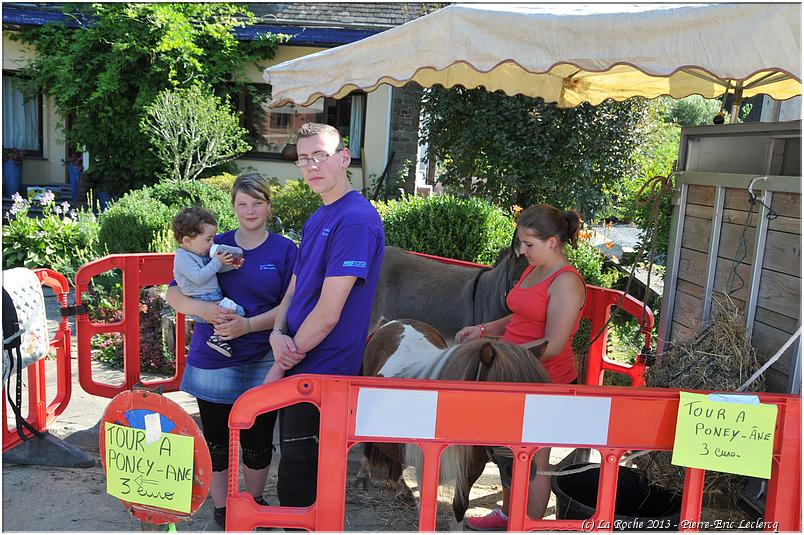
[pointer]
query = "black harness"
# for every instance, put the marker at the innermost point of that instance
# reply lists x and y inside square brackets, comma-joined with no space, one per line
[12,342]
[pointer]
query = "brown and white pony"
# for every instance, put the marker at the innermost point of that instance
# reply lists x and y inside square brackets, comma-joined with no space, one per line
[413,349]
[446,296]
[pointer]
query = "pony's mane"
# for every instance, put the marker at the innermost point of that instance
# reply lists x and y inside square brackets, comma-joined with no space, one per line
[511,364]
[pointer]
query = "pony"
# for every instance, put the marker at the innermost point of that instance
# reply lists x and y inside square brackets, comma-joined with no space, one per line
[446,296]
[413,349]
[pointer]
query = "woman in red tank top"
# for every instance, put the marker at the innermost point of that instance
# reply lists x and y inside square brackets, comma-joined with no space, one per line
[545,305]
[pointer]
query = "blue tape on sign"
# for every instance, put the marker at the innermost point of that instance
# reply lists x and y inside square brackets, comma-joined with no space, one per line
[745,399]
[136,419]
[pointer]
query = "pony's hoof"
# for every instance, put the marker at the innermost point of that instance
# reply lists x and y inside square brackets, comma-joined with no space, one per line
[362,482]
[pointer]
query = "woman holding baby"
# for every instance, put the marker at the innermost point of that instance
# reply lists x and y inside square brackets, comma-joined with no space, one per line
[217,380]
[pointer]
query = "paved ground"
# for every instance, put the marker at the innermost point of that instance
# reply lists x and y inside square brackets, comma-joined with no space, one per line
[41,498]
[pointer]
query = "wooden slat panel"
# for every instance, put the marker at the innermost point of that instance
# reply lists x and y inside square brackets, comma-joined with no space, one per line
[768,340]
[723,272]
[730,238]
[696,234]
[696,210]
[692,266]
[776,381]
[787,204]
[688,310]
[783,253]
[681,333]
[737,199]
[703,195]
[690,288]
[786,224]
[738,217]
[780,321]
[780,292]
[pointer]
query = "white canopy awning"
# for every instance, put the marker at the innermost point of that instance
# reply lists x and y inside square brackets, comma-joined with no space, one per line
[567,54]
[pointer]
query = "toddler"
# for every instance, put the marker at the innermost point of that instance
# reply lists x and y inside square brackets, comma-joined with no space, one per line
[195,270]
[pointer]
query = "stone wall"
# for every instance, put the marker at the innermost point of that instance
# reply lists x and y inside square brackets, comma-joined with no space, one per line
[405,134]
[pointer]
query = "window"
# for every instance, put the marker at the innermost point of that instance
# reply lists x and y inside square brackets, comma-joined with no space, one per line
[22,117]
[271,129]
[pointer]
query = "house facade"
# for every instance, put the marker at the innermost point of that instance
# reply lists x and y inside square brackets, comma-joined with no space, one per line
[379,125]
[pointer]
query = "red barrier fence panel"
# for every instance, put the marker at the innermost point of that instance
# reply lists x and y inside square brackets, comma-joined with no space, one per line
[139,270]
[42,413]
[631,419]
[597,309]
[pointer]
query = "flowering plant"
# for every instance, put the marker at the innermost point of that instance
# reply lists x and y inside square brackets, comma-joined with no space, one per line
[76,159]
[15,155]
[62,239]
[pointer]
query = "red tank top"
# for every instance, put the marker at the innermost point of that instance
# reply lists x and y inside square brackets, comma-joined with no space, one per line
[528,321]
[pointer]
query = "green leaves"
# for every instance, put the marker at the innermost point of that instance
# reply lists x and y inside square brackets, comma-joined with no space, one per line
[443,225]
[106,72]
[191,131]
[521,150]
[61,239]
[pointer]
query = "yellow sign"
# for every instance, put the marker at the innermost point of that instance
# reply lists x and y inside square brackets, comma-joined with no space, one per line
[731,437]
[149,472]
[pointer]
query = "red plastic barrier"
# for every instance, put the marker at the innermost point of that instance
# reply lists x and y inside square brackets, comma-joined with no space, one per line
[597,309]
[40,412]
[139,270]
[639,419]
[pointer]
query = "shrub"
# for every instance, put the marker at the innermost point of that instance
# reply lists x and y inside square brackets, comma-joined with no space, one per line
[589,263]
[223,182]
[63,239]
[464,229]
[192,130]
[134,222]
[180,195]
[131,223]
[293,203]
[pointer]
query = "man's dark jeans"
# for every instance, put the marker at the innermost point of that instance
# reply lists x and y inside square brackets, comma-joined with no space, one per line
[298,464]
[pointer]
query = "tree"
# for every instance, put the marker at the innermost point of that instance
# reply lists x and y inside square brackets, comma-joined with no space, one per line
[104,72]
[191,130]
[522,150]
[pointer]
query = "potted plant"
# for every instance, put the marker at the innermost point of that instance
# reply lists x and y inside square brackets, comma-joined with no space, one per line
[12,171]
[75,166]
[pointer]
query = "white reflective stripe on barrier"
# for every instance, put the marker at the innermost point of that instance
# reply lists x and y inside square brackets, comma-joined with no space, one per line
[383,412]
[566,420]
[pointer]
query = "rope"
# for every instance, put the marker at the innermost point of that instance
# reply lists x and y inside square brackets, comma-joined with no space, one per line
[771,360]
[560,473]
[742,246]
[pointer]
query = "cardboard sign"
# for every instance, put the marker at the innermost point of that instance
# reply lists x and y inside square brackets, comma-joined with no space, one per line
[731,437]
[149,470]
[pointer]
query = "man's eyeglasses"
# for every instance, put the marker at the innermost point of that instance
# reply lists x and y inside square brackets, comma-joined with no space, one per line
[316,158]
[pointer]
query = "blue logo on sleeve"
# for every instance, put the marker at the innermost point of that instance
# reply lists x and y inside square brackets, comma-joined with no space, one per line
[325,232]
[354,263]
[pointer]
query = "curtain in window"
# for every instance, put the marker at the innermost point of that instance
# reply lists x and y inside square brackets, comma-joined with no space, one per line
[356,125]
[20,117]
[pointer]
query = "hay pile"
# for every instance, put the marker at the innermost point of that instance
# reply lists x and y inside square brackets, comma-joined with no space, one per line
[719,358]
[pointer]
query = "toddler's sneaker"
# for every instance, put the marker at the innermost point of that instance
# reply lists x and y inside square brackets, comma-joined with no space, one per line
[494,521]
[219,345]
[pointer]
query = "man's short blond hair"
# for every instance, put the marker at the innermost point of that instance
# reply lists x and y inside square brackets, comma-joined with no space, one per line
[314,129]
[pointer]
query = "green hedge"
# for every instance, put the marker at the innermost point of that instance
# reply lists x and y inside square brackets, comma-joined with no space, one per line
[137,220]
[442,225]
[293,203]
[589,263]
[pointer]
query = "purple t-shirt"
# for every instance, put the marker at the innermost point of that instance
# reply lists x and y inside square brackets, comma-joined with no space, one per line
[258,286]
[344,238]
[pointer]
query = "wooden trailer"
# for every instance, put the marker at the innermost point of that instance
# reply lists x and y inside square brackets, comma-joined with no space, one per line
[717,165]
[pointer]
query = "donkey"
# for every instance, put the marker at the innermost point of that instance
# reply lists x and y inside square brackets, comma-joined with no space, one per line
[446,296]
[413,349]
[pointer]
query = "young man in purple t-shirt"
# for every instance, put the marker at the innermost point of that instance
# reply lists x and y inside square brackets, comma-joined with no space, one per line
[323,320]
